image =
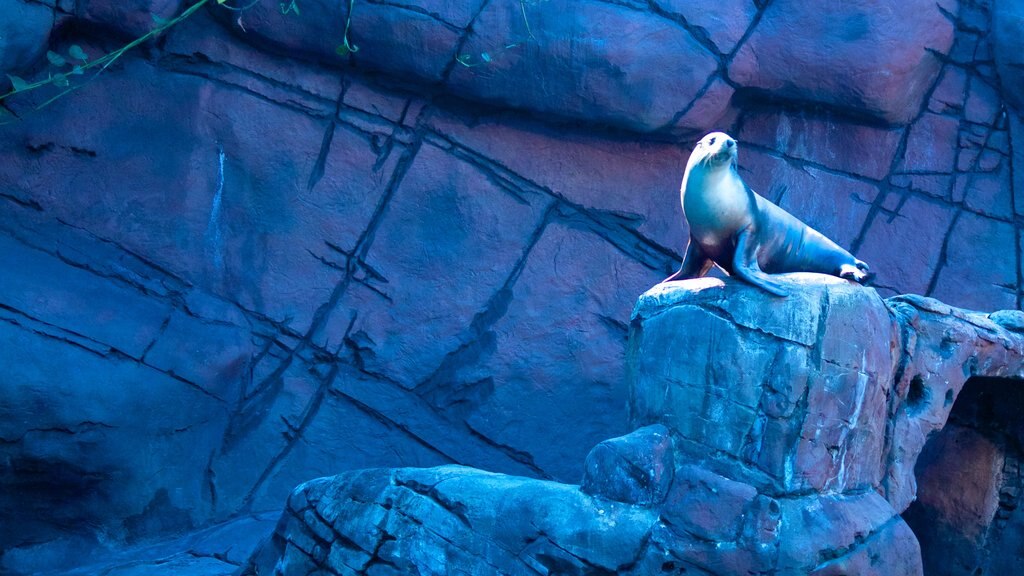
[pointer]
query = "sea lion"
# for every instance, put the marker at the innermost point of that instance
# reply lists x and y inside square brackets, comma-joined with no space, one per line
[745,234]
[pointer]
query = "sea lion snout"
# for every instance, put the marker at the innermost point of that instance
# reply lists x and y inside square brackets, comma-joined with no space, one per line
[715,149]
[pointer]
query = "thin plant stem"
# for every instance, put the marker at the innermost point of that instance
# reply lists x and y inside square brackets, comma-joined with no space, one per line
[522,6]
[348,23]
[105,61]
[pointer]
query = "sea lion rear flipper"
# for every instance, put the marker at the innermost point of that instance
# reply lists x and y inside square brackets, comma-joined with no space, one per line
[695,264]
[744,264]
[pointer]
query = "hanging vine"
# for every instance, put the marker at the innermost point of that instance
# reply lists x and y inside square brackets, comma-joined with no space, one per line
[65,69]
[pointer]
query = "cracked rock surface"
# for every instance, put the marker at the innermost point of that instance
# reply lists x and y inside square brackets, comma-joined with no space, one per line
[776,436]
[455,520]
[237,261]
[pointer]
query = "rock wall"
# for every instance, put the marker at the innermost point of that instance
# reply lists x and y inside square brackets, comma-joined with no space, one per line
[237,260]
[973,529]
[775,436]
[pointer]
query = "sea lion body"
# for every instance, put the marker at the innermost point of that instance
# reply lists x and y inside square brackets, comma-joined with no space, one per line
[745,234]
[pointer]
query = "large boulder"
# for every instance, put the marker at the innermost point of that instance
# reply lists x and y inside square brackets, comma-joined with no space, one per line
[781,390]
[831,390]
[637,468]
[456,520]
[1007,30]
[594,61]
[24,34]
[940,348]
[778,435]
[130,18]
[451,520]
[860,57]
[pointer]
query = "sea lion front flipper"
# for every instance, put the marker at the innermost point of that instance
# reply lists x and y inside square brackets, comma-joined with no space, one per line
[695,264]
[744,264]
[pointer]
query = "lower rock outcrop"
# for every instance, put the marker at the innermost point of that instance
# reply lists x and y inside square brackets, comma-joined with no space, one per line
[774,436]
[457,520]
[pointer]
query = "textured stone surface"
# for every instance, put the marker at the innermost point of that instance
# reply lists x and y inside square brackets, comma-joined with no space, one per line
[132,18]
[600,61]
[781,438]
[451,520]
[942,348]
[885,55]
[24,34]
[1007,27]
[973,528]
[291,265]
[831,390]
[724,23]
[779,384]
[454,520]
[218,550]
[635,469]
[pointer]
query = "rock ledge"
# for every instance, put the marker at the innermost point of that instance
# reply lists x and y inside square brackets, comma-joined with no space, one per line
[773,435]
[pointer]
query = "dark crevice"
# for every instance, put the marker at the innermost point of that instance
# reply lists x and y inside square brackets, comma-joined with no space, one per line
[309,414]
[418,10]
[699,34]
[524,458]
[757,99]
[460,45]
[437,388]
[901,150]
[325,147]
[389,423]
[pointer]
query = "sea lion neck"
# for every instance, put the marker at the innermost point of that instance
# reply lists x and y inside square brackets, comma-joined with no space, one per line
[704,178]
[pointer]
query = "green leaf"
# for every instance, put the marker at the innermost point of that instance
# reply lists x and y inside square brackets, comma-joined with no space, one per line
[77,70]
[18,84]
[61,80]
[55,59]
[485,56]
[342,50]
[76,52]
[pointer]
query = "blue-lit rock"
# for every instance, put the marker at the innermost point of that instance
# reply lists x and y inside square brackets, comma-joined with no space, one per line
[765,450]
[453,520]
[24,33]
[887,55]
[1007,27]
[794,388]
[635,469]
[122,278]
[133,18]
[779,435]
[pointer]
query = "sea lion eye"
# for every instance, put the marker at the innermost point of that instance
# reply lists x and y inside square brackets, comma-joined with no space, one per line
[712,142]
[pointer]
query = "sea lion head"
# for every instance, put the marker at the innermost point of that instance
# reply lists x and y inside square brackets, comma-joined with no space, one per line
[715,150]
